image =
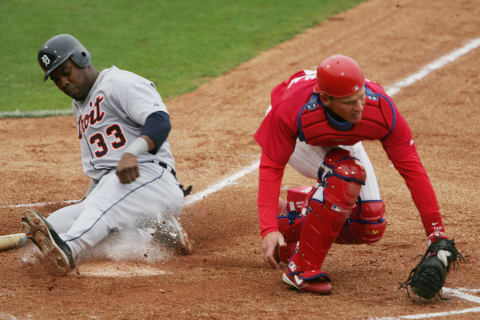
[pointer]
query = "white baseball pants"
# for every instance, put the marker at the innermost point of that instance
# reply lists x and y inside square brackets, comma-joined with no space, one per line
[114,206]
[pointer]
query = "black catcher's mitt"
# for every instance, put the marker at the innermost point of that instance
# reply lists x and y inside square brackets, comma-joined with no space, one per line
[428,277]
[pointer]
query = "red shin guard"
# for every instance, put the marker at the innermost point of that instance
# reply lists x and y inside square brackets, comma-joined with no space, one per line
[290,220]
[342,181]
[290,227]
[320,228]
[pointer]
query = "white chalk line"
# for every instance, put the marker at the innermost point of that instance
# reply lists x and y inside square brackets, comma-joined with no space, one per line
[35,114]
[432,315]
[459,293]
[391,90]
[437,64]
[219,186]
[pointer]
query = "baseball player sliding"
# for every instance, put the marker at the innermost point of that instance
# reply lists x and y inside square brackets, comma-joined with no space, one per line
[123,126]
[316,122]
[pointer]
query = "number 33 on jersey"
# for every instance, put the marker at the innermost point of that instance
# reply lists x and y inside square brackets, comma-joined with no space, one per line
[100,139]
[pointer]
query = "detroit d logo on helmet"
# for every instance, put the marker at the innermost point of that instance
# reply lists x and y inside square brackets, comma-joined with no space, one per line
[45,60]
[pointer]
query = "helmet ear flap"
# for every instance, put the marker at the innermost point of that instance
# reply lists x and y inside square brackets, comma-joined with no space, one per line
[82,58]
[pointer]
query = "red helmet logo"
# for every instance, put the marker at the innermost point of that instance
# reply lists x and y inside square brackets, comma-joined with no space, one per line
[339,76]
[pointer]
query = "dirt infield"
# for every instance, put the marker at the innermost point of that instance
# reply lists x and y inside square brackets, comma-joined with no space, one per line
[212,139]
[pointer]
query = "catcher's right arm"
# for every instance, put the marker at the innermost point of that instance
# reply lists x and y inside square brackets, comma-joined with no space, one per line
[428,277]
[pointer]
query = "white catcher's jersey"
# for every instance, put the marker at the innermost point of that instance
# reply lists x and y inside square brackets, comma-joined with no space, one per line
[112,116]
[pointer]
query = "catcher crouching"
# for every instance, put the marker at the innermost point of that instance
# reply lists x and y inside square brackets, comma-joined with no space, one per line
[316,123]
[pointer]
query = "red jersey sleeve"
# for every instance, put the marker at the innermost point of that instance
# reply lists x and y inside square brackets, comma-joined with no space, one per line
[269,181]
[276,137]
[400,148]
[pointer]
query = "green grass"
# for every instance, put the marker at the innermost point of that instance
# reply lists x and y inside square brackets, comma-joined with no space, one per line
[177,44]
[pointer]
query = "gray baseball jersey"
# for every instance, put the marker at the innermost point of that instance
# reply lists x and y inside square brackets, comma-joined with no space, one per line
[112,116]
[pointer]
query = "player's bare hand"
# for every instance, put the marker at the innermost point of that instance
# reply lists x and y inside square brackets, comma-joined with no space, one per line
[269,245]
[127,168]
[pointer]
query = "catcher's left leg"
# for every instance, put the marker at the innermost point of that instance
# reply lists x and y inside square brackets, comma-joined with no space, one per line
[328,210]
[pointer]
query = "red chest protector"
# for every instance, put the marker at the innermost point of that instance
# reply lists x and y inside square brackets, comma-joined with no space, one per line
[318,127]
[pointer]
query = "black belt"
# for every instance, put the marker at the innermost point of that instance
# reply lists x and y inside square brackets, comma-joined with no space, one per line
[186,191]
[166,167]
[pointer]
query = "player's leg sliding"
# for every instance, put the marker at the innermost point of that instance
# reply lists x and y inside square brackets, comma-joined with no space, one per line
[328,209]
[56,251]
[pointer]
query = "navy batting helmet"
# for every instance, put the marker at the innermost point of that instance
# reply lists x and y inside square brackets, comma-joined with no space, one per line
[58,49]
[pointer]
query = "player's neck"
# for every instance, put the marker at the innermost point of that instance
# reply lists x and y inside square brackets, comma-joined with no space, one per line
[94,76]
[336,116]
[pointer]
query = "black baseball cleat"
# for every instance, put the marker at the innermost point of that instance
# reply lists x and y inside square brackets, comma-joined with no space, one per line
[41,233]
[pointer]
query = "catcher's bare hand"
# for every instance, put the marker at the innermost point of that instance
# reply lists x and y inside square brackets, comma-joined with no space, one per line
[269,245]
[127,168]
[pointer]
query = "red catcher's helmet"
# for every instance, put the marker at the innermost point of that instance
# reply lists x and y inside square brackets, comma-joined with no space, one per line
[339,76]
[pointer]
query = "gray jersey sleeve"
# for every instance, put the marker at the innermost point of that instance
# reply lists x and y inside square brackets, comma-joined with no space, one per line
[137,98]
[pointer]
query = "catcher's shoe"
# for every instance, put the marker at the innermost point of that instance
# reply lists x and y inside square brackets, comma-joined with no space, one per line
[41,233]
[310,281]
[170,231]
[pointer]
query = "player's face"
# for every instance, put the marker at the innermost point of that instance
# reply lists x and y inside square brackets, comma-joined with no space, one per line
[348,108]
[72,80]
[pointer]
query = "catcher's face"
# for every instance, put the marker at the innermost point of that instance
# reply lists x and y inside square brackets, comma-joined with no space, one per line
[75,82]
[348,108]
